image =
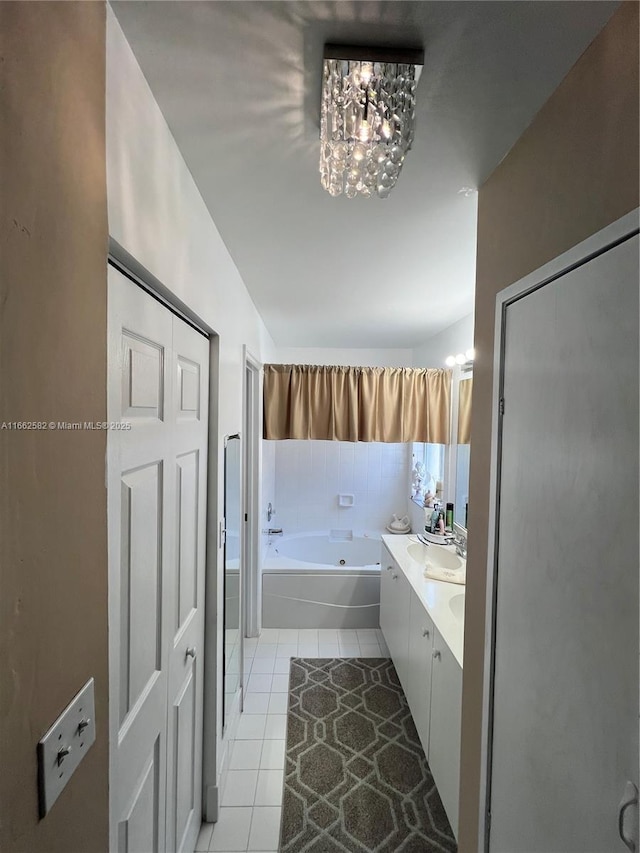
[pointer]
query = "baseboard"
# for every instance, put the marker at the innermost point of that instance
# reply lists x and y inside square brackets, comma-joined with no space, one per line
[211,803]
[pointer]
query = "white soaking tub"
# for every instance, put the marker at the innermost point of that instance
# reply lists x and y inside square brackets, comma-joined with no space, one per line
[319,580]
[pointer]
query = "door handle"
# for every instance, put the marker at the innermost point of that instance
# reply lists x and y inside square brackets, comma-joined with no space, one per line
[191,652]
[629,800]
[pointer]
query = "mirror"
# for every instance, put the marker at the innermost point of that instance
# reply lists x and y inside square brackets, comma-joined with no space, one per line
[462,445]
[232,653]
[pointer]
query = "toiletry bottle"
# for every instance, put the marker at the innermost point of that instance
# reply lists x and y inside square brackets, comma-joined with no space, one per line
[449,517]
[441,523]
[434,520]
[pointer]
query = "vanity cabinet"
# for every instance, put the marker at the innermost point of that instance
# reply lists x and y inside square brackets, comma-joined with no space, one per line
[444,735]
[395,594]
[431,678]
[418,683]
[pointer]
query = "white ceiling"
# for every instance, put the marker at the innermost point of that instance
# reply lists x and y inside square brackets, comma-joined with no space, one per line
[239,85]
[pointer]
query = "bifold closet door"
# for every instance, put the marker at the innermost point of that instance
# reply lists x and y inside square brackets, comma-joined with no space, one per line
[565,699]
[156,469]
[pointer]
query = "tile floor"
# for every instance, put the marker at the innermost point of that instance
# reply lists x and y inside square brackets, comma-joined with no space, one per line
[251,800]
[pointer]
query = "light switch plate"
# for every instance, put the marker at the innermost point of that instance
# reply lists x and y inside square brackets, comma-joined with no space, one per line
[64,746]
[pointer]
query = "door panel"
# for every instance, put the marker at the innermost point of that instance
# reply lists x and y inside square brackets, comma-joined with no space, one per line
[185,726]
[158,388]
[142,378]
[141,583]
[138,832]
[140,483]
[190,367]
[565,701]
[187,518]
[188,389]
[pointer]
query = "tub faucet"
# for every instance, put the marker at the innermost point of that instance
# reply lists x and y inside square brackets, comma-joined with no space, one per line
[275,531]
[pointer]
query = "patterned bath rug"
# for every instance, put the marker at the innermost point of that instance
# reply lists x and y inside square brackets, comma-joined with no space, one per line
[356,776]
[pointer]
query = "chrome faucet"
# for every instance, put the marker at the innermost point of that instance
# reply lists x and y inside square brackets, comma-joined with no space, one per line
[461,546]
[275,531]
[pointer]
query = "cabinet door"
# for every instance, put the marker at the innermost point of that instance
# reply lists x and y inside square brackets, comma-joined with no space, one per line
[444,733]
[418,688]
[394,615]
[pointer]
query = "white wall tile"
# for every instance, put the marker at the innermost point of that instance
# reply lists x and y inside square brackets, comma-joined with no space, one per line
[309,476]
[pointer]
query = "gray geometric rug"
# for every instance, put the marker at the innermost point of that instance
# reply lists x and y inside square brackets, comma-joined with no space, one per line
[356,777]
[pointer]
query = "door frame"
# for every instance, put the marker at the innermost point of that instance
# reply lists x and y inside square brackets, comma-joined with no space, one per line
[126,264]
[598,243]
[251,465]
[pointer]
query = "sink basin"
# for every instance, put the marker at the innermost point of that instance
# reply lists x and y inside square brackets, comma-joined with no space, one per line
[437,555]
[456,605]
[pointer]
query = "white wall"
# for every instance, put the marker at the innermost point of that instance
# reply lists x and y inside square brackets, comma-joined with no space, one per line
[450,341]
[345,357]
[157,215]
[311,474]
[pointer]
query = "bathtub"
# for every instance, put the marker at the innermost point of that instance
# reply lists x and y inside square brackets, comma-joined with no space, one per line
[319,580]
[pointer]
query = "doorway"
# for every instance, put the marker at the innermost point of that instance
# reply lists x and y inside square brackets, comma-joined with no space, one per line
[562,692]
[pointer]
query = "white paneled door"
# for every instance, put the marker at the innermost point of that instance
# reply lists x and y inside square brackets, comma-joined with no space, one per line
[156,472]
[564,757]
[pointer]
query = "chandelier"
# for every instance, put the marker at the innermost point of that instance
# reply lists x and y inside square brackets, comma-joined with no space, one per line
[367,118]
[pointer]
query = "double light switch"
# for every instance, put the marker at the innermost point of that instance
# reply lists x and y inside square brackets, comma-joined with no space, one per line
[64,746]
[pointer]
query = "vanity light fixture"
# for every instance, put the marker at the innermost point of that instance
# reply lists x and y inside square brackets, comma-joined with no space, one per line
[366,118]
[461,358]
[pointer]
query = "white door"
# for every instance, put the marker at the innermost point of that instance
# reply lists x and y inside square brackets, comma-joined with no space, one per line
[565,699]
[157,389]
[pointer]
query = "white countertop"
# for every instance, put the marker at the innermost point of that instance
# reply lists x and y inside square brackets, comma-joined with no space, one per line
[435,595]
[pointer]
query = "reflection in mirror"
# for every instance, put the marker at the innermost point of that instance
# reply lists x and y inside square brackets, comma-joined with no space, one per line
[463,451]
[428,470]
[232,515]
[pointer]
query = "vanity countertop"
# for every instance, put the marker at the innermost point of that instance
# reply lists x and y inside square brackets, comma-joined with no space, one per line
[437,596]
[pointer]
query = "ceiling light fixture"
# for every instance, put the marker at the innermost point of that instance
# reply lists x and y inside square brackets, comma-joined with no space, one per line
[367,117]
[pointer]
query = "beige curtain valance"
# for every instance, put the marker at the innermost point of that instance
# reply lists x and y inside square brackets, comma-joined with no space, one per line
[464,411]
[390,404]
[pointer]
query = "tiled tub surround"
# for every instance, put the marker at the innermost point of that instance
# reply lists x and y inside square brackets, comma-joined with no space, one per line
[252,782]
[309,476]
